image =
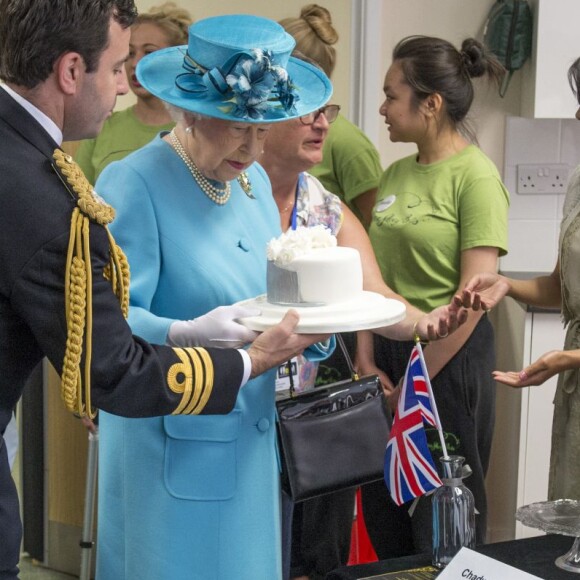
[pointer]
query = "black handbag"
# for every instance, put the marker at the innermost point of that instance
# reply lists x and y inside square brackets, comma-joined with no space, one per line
[332,437]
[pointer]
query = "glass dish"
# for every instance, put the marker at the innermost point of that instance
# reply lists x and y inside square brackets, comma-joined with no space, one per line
[562,517]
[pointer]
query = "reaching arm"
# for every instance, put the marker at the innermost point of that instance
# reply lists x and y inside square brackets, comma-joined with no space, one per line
[440,322]
[438,354]
[549,364]
[485,290]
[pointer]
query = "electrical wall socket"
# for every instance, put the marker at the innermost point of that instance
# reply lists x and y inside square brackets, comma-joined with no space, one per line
[542,178]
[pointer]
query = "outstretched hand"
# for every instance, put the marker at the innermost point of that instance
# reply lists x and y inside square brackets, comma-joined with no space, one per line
[279,344]
[483,291]
[441,321]
[548,365]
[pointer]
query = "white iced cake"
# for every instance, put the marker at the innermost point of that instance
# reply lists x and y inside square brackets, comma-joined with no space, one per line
[307,268]
[308,272]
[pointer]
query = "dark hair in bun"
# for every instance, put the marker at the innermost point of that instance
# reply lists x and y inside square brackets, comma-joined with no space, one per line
[433,65]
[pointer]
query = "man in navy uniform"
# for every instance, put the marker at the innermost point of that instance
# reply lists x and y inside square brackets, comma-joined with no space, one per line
[63,280]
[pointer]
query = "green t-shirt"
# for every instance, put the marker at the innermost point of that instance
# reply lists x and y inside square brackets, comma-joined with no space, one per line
[426,215]
[121,134]
[350,164]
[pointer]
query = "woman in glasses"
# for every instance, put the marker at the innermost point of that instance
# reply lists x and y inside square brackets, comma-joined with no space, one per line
[320,527]
[293,149]
[351,166]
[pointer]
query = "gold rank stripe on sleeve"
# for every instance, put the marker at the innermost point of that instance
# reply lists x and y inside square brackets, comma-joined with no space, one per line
[192,378]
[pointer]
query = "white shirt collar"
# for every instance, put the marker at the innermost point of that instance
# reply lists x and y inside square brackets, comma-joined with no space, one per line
[47,123]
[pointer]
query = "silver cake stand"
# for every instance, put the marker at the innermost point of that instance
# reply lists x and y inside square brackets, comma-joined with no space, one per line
[562,517]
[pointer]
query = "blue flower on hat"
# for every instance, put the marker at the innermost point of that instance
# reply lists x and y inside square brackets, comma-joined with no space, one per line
[255,81]
[287,95]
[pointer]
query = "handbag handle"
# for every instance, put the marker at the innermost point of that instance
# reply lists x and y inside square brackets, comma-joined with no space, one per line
[353,374]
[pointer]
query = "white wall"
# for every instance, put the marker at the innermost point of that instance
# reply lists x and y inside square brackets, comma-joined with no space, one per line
[534,220]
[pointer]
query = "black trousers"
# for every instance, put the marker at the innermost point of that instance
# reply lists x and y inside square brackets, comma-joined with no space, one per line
[321,532]
[318,538]
[11,527]
[465,396]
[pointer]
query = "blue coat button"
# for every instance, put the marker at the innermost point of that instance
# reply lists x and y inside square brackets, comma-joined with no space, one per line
[263,424]
[244,244]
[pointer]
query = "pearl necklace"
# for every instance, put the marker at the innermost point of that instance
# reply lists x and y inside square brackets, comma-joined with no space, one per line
[216,194]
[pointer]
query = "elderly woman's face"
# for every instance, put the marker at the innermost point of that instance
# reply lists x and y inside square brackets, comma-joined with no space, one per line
[223,149]
[299,145]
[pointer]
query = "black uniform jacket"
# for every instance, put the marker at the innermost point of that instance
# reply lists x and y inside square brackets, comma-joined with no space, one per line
[129,376]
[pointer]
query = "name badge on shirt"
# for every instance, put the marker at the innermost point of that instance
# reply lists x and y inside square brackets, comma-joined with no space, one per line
[386,203]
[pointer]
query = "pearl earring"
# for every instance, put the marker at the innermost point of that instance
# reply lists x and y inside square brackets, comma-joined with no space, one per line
[188,129]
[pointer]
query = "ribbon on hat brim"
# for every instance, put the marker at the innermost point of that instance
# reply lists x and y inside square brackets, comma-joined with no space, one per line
[198,79]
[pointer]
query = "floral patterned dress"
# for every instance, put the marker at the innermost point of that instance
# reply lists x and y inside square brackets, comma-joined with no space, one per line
[315,206]
[565,456]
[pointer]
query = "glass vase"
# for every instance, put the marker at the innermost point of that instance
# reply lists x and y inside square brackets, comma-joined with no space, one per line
[453,513]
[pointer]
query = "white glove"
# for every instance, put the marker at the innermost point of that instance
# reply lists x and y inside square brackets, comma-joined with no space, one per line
[219,328]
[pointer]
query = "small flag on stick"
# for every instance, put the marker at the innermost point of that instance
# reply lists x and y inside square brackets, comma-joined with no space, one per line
[409,468]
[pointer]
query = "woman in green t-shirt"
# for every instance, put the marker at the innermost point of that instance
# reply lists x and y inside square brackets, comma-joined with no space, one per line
[440,217]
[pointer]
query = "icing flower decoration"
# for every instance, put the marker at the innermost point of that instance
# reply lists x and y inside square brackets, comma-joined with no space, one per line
[299,242]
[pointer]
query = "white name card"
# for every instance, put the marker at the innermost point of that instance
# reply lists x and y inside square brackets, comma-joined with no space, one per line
[470,565]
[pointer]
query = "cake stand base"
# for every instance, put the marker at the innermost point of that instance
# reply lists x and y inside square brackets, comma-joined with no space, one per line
[570,561]
[560,516]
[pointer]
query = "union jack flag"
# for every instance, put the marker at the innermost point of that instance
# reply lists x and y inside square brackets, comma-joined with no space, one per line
[409,468]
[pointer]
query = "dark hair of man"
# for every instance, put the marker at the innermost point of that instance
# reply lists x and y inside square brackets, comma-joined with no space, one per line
[433,65]
[35,33]
[574,78]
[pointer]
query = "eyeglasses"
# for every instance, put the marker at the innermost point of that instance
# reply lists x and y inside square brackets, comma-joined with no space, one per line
[330,112]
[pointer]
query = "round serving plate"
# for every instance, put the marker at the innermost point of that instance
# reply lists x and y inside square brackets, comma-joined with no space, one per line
[369,310]
[561,516]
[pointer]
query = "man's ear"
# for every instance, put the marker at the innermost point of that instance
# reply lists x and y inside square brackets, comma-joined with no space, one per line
[69,69]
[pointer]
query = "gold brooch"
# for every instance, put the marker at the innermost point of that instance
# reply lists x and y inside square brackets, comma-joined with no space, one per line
[246,184]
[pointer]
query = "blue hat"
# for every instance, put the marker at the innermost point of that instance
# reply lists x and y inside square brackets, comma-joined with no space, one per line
[236,67]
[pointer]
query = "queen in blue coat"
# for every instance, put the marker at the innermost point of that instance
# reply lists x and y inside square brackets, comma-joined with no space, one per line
[197,497]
